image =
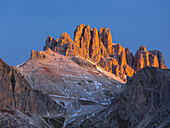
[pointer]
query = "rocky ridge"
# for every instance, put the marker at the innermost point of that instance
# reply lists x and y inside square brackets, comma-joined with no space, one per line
[20,104]
[70,81]
[98,47]
[144,103]
[73,83]
[76,83]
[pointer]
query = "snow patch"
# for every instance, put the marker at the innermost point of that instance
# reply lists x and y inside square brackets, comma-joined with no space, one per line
[22,63]
[104,103]
[109,112]
[109,82]
[75,114]
[87,117]
[118,86]
[83,99]
[72,120]
[93,114]
[48,114]
[31,122]
[86,77]
[66,90]
[97,84]
[89,93]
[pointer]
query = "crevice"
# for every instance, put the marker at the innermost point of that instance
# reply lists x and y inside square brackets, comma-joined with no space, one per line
[13,81]
[91,42]
[82,35]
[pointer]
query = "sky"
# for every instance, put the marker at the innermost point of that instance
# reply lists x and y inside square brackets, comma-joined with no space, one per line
[25,24]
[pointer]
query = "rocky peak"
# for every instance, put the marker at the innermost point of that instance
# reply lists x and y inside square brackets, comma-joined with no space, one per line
[106,38]
[97,46]
[129,57]
[120,54]
[65,35]
[144,58]
[50,43]
[94,46]
[78,33]
[159,56]
[141,58]
[50,40]
[37,55]
[142,48]
[64,39]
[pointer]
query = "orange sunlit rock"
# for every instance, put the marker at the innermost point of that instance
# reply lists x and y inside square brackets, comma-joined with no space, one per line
[98,47]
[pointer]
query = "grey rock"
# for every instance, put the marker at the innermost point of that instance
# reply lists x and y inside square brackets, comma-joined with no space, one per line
[145,103]
[16,93]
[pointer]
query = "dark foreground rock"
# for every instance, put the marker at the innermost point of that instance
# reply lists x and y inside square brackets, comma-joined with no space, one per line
[17,119]
[145,103]
[17,94]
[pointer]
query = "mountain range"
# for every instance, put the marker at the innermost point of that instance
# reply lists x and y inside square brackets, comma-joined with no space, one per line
[98,47]
[86,82]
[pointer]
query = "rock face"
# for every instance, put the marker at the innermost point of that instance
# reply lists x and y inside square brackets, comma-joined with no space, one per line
[144,58]
[50,43]
[159,56]
[77,84]
[16,93]
[144,103]
[97,46]
[17,119]
[72,84]
[69,78]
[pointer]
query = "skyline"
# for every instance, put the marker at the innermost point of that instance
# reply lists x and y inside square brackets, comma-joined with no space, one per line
[26,25]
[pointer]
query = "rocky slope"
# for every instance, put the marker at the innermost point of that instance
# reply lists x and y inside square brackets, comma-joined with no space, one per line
[81,83]
[98,47]
[76,83]
[17,119]
[16,93]
[144,103]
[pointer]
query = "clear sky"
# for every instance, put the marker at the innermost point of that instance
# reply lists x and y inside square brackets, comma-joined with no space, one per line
[25,24]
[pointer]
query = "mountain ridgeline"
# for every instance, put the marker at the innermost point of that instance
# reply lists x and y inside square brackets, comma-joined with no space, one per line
[144,103]
[98,47]
[81,83]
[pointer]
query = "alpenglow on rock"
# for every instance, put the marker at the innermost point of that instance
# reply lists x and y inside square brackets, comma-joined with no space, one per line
[98,47]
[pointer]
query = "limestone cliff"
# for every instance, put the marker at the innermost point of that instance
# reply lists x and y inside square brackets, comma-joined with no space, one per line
[98,47]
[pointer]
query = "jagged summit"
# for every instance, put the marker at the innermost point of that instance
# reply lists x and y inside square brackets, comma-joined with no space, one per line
[77,83]
[98,47]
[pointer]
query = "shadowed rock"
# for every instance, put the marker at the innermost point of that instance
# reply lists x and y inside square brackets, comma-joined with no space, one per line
[16,93]
[144,103]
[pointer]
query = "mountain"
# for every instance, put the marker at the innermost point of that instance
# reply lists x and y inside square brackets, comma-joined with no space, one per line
[75,83]
[98,47]
[18,100]
[144,103]
[82,83]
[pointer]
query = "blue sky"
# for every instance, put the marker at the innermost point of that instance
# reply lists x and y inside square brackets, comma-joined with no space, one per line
[25,24]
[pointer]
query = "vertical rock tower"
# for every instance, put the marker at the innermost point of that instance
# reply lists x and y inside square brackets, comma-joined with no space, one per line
[98,47]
